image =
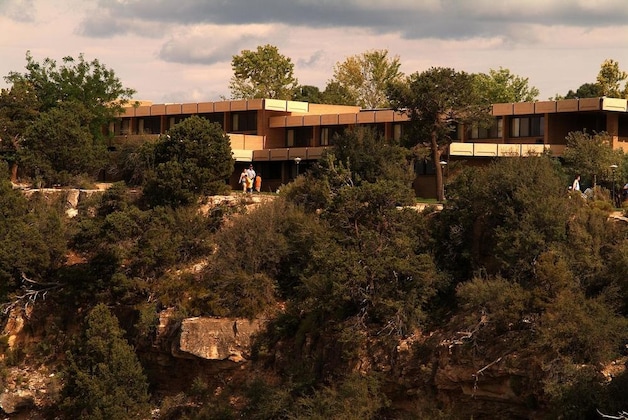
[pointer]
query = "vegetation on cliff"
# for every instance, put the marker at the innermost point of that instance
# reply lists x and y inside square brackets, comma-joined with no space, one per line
[516,282]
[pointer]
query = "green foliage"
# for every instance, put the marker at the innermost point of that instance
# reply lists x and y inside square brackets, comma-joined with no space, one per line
[192,160]
[586,90]
[501,86]
[356,397]
[55,115]
[308,93]
[501,217]
[366,76]
[76,80]
[575,392]
[104,379]
[502,302]
[371,157]
[58,145]
[264,73]
[32,238]
[610,78]
[128,250]
[583,329]
[337,94]
[370,267]
[437,101]
[244,276]
[590,155]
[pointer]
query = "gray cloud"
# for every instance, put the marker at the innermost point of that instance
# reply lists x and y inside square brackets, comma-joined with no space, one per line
[312,60]
[18,10]
[448,19]
[201,51]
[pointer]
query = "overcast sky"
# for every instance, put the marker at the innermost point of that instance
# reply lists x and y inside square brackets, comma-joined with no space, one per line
[181,50]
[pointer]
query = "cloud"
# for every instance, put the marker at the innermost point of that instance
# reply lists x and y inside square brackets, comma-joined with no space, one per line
[209,44]
[18,10]
[448,19]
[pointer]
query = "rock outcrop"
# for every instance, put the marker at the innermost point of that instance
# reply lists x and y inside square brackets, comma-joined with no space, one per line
[216,338]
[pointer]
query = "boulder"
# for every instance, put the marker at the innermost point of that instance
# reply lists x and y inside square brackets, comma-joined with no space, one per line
[13,402]
[217,338]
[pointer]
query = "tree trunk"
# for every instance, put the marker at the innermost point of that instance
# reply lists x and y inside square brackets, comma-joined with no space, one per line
[14,172]
[438,170]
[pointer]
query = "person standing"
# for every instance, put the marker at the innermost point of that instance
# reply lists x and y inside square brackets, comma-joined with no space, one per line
[242,180]
[576,184]
[251,172]
[258,183]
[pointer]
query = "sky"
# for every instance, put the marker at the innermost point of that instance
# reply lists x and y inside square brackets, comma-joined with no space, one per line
[173,51]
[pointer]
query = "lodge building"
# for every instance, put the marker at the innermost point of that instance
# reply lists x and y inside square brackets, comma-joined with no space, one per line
[282,138]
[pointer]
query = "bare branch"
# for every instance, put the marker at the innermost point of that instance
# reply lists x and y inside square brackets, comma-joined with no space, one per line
[33,290]
[623,415]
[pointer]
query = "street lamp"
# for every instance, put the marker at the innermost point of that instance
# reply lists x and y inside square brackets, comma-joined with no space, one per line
[613,168]
[442,164]
[297,160]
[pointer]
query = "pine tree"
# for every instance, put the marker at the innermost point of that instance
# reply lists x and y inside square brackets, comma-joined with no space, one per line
[104,377]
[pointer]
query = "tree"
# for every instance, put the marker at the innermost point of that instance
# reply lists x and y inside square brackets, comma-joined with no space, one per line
[608,83]
[308,93]
[194,158]
[587,90]
[264,73]
[104,377]
[371,157]
[32,243]
[501,86]
[337,94]
[610,78]
[67,149]
[18,109]
[589,154]
[437,100]
[88,89]
[365,76]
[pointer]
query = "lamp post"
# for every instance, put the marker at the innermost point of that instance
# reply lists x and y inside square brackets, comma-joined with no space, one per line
[442,164]
[613,168]
[297,160]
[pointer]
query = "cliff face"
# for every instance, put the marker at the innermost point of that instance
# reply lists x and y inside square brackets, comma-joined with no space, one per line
[219,350]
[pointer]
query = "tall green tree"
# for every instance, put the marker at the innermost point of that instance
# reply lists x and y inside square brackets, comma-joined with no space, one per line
[194,158]
[67,149]
[88,83]
[610,78]
[104,377]
[264,73]
[366,76]
[18,109]
[89,89]
[590,155]
[437,100]
[501,86]
[608,83]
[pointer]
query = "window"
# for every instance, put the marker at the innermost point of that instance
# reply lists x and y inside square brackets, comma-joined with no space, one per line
[299,137]
[495,131]
[149,125]
[623,126]
[215,117]
[328,134]
[527,126]
[244,122]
